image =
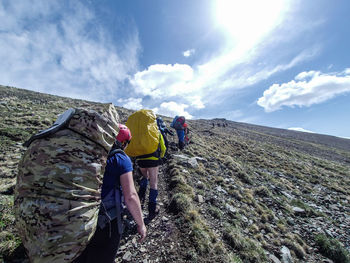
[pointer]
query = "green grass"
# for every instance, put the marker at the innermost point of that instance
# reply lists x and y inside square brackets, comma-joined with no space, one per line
[247,249]
[308,210]
[215,212]
[332,249]
[9,241]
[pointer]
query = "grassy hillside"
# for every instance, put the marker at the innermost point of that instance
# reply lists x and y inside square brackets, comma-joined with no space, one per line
[237,193]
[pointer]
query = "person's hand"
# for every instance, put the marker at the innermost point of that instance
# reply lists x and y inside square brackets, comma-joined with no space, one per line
[142,231]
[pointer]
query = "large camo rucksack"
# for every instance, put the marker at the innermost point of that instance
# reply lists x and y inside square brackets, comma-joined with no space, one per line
[178,122]
[145,134]
[57,195]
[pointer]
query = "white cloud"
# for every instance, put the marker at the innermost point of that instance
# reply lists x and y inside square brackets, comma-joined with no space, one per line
[131,103]
[50,47]
[299,129]
[189,52]
[196,102]
[162,81]
[306,75]
[308,88]
[172,109]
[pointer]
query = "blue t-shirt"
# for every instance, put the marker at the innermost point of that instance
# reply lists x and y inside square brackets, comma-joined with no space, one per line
[117,165]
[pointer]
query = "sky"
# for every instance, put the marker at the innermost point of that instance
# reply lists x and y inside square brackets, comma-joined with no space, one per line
[276,63]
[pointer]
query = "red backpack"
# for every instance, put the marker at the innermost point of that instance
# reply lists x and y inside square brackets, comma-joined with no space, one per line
[178,123]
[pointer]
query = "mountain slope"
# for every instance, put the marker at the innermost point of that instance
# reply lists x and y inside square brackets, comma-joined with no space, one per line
[237,193]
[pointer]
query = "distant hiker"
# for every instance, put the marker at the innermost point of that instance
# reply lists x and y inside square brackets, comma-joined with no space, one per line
[148,148]
[177,124]
[104,244]
[164,131]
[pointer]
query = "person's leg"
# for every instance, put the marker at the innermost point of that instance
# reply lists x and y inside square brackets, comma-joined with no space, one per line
[144,172]
[181,136]
[153,177]
[181,145]
[152,204]
[143,185]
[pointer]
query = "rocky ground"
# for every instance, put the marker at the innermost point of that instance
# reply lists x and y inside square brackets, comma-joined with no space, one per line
[237,193]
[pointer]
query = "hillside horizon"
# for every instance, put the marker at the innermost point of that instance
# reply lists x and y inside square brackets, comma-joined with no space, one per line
[206,119]
[238,192]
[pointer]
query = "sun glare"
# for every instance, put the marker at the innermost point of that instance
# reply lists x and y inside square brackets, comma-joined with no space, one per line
[248,20]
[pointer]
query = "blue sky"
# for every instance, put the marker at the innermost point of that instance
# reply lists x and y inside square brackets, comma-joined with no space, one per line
[275,63]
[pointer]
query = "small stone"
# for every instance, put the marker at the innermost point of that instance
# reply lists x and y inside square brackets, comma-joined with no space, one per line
[127,256]
[334,207]
[285,255]
[287,195]
[193,162]
[329,233]
[200,199]
[180,157]
[220,189]
[274,259]
[123,247]
[231,208]
[298,210]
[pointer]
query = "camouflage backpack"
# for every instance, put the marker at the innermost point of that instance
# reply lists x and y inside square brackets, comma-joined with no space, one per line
[59,180]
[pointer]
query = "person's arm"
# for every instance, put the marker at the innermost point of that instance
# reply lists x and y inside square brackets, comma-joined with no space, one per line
[133,203]
[168,131]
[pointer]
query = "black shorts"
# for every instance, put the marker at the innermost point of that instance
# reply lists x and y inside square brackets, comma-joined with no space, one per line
[148,163]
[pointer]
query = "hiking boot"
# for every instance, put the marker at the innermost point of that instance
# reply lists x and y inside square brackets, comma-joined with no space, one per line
[153,211]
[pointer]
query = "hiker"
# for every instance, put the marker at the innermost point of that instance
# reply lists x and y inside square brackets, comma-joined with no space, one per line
[177,124]
[149,168]
[164,131]
[148,149]
[104,244]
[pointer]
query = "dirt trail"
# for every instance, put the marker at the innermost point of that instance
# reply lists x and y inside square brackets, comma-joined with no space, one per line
[163,243]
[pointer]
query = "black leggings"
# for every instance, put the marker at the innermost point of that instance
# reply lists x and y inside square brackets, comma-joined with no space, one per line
[103,246]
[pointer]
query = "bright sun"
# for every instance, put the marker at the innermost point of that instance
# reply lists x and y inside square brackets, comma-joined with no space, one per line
[248,20]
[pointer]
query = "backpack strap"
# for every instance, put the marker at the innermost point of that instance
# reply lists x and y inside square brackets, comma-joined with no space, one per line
[61,122]
[107,214]
[113,152]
